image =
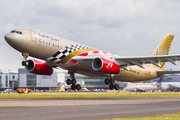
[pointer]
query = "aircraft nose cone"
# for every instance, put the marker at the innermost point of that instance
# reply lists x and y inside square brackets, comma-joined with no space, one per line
[11,39]
[8,37]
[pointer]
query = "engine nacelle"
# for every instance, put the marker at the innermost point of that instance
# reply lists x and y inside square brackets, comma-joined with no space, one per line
[105,66]
[37,67]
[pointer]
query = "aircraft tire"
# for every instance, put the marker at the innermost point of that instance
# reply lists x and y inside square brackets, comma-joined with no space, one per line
[74,81]
[116,87]
[112,81]
[111,86]
[68,81]
[106,81]
[23,63]
[78,87]
[73,87]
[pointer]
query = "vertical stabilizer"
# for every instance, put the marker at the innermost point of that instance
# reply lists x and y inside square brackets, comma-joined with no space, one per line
[158,82]
[163,49]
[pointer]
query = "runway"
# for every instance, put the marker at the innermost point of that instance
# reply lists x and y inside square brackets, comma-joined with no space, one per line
[87,109]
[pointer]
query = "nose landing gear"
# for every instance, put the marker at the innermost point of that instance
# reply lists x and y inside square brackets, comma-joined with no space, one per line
[25,56]
[72,82]
[111,82]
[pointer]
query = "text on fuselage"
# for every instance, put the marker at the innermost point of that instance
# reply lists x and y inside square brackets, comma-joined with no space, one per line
[47,40]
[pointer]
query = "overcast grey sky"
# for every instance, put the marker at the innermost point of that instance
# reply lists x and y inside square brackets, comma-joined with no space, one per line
[123,27]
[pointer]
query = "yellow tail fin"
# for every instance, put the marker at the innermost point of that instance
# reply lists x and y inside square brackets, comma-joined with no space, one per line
[163,49]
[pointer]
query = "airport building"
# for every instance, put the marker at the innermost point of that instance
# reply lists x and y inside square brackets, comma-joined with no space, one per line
[8,80]
[93,82]
[32,81]
[24,79]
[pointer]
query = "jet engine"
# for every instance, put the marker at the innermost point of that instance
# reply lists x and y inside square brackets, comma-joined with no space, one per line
[105,65]
[37,67]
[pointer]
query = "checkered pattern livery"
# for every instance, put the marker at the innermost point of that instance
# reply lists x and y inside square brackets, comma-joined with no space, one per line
[65,51]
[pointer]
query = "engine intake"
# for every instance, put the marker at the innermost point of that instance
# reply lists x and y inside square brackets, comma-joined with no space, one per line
[37,67]
[105,65]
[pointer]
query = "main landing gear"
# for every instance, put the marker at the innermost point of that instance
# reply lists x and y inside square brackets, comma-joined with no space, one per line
[111,84]
[72,82]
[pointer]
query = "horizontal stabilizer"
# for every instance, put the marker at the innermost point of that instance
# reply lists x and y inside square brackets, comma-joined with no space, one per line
[166,72]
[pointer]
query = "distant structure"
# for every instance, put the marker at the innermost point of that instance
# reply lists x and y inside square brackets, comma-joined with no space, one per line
[32,81]
[24,79]
[8,80]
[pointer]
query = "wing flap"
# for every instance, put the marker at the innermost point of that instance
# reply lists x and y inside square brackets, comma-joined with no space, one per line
[140,89]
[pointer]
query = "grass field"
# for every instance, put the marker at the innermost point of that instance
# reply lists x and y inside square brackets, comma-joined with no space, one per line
[175,116]
[42,95]
[11,106]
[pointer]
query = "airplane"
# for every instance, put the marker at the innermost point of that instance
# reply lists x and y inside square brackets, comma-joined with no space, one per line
[171,86]
[144,88]
[50,51]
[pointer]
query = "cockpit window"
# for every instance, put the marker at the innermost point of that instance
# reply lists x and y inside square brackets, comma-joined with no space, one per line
[18,32]
[13,31]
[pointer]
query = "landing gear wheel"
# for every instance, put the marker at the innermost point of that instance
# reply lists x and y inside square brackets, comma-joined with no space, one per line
[23,63]
[116,87]
[106,81]
[111,87]
[74,81]
[68,81]
[112,81]
[78,87]
[73,87]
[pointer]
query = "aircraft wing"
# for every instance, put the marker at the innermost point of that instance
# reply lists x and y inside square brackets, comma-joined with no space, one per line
[140,89]
[174,86]
[138,60]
